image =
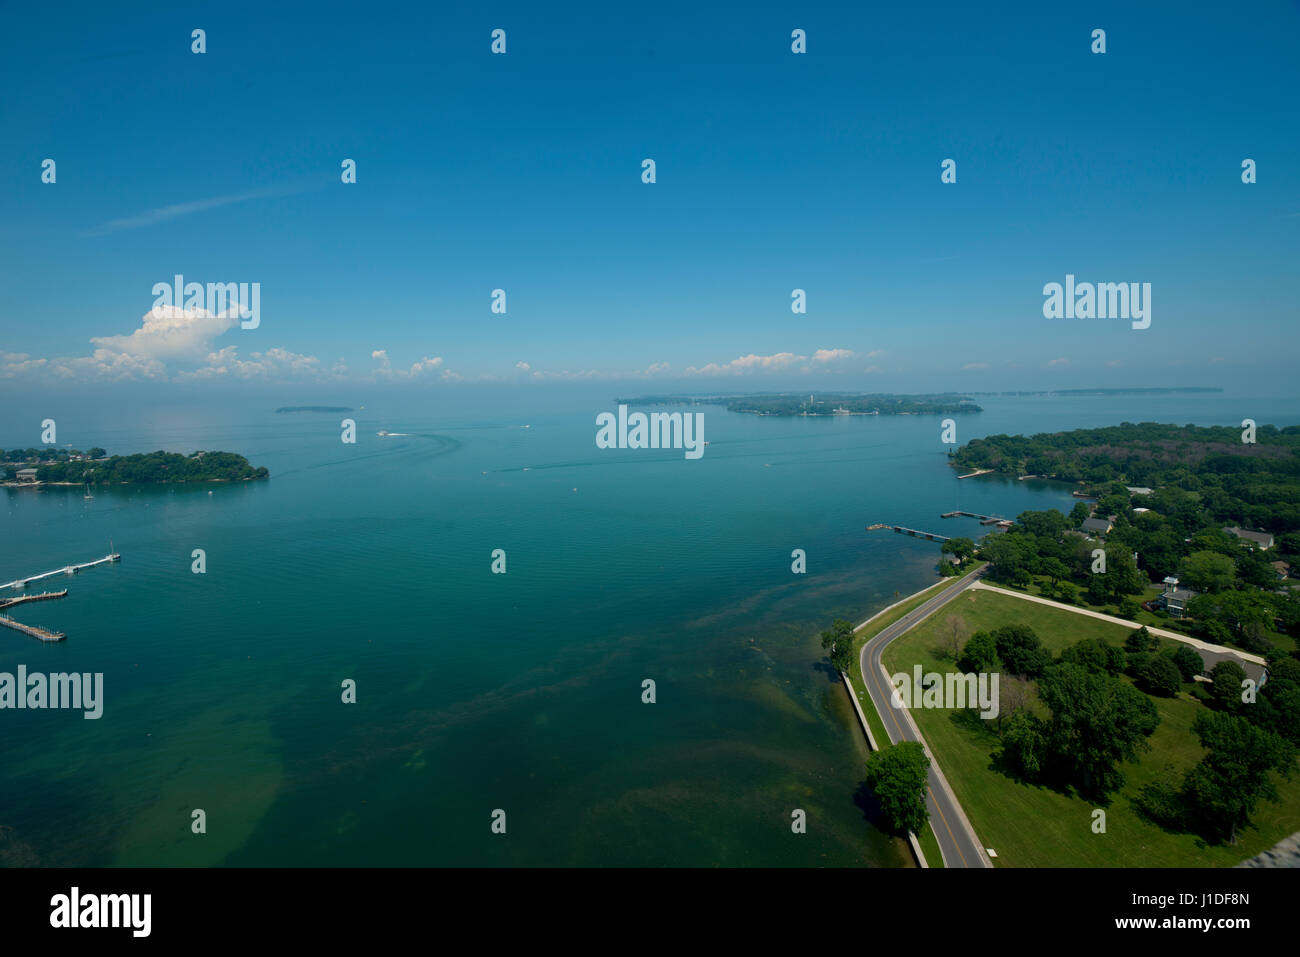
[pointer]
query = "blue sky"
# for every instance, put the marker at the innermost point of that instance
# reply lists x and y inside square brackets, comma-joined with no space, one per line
[774,171]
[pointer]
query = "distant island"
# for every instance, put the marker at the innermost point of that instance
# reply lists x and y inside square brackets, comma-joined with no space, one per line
[314,408]
[96,467]
[825,403]
[1128,391]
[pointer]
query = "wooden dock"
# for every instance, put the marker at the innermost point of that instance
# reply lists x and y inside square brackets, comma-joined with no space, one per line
[38,633]
[23,599]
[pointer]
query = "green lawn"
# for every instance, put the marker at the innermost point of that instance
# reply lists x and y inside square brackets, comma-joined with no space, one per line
[1032,826]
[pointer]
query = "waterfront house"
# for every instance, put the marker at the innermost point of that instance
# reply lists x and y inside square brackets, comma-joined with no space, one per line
[1262,539]
[27,475]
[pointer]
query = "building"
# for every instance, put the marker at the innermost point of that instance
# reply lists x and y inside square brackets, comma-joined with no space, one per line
[27,475]
[1262,539]
[1138,489]
[1174,599]
[1096,526]
[1282,568]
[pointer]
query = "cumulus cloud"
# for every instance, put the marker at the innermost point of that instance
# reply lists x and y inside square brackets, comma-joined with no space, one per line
[384,367]
[170,343]
[170,332]
[752,363]
[522,366]
[1057,363]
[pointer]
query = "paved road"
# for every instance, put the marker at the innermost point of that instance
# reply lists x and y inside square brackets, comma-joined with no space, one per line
[957,841]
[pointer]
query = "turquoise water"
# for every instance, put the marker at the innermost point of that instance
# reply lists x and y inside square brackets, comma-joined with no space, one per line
[479,691]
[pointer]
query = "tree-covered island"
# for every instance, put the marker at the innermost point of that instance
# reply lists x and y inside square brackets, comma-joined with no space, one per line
[823,403]
[97,467]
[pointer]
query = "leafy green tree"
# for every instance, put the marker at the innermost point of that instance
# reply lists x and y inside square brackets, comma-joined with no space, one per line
[1226,679]
[1207,571]
[1227,786]
[1079,514]
[898,776]
[980,655]
[960,548]
[1090,653]
[1024,745]
[1161,676]
[1097,722]
[1139,639]
[1189,663]
[1054,569]
[837,642]
[1128,607]
[1021,651]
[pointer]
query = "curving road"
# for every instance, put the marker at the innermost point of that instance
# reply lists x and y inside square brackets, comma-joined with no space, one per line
[957,841]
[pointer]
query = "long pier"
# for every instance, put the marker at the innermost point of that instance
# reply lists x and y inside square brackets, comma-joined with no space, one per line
[65,570]
[984,519]
[23,599]
[904,530]
[38,633]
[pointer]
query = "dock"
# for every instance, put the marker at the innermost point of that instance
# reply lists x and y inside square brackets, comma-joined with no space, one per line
[65,570]
[977,472]
[904,530]
[38,633]
[23,599]
[984,519]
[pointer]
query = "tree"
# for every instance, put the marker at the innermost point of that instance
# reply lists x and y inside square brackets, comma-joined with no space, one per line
[959,548]
[1189,663]
[1228,784]
[1122,575]
[1090,653]
[1079,514]
[955,630]
[1139,639]
[1226,679]
[898,776]
[1161,676]
[837,641]
[1054,568]
[1021,651]
[1128,607]
[1207,571]
[980,655]
[1097,722]
[1008,557]
[1024,745]
[1013,696]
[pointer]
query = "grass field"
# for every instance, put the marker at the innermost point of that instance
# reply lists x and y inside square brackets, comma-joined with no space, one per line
[1032,826]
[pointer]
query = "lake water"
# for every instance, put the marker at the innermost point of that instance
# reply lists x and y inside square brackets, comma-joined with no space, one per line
[479,691]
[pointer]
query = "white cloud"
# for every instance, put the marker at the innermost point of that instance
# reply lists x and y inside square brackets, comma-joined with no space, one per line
[170,332]
[1057,363]
[523,366]
[752,363]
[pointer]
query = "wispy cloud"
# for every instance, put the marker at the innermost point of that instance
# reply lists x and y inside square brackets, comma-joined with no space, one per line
[162,214]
